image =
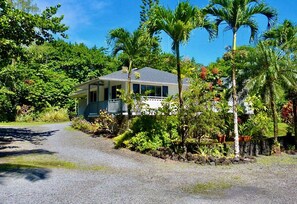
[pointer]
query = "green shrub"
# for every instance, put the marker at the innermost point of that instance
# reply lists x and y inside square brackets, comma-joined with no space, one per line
[148,133]
[25,113]
[25,118]
[120,139]
[81,124]
[105,121]
[53,114]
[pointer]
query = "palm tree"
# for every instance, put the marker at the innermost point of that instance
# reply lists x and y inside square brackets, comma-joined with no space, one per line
[284,37]
[178,24]
[132,45]
[237,14]
[270,71]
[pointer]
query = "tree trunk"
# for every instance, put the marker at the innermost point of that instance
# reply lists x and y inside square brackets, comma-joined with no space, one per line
[234,96]
[129,105]
[274,113]
[179,82]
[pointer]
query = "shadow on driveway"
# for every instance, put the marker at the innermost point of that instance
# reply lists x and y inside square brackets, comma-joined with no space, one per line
[25,152]
[8,135]
[30,173]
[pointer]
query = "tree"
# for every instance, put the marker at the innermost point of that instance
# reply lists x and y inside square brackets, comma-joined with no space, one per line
[178,24]
[25,5]
[20,29]
[77,61]
[284,37]
[132,45]
[237,14]
[269,72]
[145,9]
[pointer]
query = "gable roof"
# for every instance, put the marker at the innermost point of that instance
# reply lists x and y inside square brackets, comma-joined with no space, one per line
[147,74]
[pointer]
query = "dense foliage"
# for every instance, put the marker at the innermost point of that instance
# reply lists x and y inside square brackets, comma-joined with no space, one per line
[38,73]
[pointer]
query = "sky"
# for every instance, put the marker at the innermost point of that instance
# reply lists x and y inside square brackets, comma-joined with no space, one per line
[90,21]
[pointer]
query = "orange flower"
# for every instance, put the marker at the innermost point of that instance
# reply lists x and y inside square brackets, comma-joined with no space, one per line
[215,70]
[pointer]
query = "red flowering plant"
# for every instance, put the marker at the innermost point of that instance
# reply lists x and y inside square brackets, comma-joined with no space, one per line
[287,113]
[211,75]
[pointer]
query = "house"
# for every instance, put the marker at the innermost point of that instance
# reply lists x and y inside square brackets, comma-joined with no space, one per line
[102,93]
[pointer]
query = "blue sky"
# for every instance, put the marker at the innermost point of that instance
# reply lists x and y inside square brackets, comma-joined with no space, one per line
[91,20]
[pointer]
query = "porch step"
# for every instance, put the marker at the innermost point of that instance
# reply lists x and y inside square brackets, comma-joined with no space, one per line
[92,115]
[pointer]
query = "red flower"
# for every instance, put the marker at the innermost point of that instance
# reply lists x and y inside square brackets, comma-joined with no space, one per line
[203,75]
[215,70]
[220,82]
[203,69]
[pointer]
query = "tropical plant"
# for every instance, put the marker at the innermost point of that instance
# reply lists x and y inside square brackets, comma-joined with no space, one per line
[284,37]
[237,14]
[132,45]
[269,72]
[20,29]
[178,24]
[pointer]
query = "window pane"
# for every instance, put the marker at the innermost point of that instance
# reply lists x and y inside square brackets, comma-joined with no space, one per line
[143,89]
[151,90]
[158,90]
[136,88]
[165,91]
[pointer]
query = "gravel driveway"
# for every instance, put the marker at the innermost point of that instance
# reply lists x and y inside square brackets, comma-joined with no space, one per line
[129,177]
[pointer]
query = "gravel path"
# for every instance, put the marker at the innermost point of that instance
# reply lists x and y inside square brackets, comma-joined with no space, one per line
[129,177]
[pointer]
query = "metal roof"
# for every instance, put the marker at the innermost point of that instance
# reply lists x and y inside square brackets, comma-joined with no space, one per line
[146,74]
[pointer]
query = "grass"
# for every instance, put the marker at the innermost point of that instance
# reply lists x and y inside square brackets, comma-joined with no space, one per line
[44,161]
[69,128]
[282,130]
[41,161]
[20,124]
[283,159]
[211,188]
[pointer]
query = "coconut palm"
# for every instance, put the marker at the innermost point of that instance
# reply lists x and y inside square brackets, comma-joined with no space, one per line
[178,24]
[270,72]
[132,45]
[237,14]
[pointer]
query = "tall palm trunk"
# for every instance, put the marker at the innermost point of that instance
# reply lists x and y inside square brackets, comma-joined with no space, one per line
[179,82]
[129,106]
[234,96]
[274,113]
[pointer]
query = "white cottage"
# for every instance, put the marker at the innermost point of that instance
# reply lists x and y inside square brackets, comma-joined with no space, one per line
[101,93]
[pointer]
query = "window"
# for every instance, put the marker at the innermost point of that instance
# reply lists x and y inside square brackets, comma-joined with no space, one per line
[154,90]
[136,88]
[114,91]
[93,96]
[165,91]
[158,90]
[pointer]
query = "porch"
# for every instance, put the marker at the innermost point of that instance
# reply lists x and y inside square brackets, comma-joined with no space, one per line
[113,106]
[116,106]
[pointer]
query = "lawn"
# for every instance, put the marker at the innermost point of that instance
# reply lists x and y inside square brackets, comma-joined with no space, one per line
[11,124]
[282,130]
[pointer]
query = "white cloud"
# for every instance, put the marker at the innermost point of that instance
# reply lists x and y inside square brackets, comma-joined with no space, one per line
[76,13]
